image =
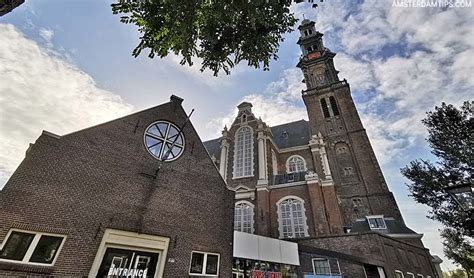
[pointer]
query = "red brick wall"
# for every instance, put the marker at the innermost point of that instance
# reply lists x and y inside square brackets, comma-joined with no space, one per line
[96,178]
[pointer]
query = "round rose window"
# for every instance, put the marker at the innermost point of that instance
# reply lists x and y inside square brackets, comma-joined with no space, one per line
[164,141]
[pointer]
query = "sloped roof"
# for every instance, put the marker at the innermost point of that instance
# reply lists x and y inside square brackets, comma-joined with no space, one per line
[213,147]
[285,136]
[291,134]
[393,227]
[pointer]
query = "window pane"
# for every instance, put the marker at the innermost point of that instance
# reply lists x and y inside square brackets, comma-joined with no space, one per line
[243,153]
[46,249]
[321,266]
[380,222]
[372,223]
[197,261]
[16,246]
[211,265]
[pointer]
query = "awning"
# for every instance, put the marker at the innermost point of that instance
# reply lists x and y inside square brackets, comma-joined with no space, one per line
[254,247]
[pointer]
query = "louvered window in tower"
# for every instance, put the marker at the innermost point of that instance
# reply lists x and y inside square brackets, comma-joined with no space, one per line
[324,107]
[335,111]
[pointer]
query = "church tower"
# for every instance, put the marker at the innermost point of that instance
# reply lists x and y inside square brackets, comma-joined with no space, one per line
[334,122]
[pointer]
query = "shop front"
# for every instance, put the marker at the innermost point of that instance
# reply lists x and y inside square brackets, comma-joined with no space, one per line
[263,257]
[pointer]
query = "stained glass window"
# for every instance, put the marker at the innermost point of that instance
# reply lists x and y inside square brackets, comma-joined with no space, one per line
[164,141]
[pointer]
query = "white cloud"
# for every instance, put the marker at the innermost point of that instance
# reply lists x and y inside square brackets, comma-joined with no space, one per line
[40,90]
[358,73]
[47,35]
[280,103]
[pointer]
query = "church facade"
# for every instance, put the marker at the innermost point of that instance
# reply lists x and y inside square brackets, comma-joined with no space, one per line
[127,198]
[143,196]
[318,182]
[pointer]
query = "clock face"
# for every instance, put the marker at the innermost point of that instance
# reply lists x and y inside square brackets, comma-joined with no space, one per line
[164,141]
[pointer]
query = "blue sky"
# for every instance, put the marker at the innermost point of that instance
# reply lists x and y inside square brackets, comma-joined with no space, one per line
[66,65]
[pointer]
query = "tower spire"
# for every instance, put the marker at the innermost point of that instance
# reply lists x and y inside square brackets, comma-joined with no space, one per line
[316,60]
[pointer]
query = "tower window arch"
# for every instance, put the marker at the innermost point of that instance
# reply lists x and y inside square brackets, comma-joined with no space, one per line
[335,110]
[243,152]
[244,217]
[324,107]
[295,164]
[292,218]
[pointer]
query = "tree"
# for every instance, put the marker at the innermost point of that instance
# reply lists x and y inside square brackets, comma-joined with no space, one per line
[220,33]
[451,138]
[457,273]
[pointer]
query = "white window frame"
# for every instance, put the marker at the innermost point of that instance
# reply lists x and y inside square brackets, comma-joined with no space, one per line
[288,163]
[374,217]
[419,276]
[32,247]
[204,264]
[280,220]
[398,271]
[410,275]
[235,176]
[329,266]
[113,238]
[252,215]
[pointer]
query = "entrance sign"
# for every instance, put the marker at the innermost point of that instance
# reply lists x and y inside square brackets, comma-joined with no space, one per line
[128,263]
[129,254]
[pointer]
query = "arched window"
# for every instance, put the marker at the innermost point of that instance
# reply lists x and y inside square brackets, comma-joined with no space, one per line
[292,218]
[335,111]
[295,164]
[243,153]
[324,107]
[243,217]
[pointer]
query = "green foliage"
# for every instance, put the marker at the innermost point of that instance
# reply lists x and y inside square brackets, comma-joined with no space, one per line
[221,33]
[457,273]
[458,248]
[451,137]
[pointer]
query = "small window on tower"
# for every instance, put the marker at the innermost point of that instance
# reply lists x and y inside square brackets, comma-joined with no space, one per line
[357,202]
[325,108]
[348,171]
[335,111]
[341,150]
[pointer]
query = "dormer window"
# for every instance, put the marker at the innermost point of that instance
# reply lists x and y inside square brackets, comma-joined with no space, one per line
[376,222]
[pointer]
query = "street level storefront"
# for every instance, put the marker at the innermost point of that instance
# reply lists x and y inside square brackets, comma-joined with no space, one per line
[263,257]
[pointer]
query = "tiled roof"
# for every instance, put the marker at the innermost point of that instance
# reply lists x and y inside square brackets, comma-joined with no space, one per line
[291,134]
[213,147]
[285,136]
[393,227]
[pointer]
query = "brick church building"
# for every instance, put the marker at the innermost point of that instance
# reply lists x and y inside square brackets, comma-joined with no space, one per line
[318,182]
[142,196]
